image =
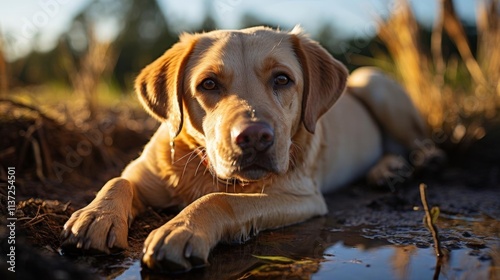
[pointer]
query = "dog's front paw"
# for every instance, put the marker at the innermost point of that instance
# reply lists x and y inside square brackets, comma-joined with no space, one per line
[93,228]
[175,247]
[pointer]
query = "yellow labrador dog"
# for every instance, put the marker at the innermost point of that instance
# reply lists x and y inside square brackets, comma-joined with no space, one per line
[249,140]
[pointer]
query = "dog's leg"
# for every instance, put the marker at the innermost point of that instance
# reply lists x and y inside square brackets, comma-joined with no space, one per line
[399,119]
[186,240]
[390,105]
[103,224]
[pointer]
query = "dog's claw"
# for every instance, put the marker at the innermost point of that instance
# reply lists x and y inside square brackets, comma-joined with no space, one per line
[159,255]
[79,245]
[111,239]
[64,233]
[87,244]
[188,251]
[95,231]
[175,247]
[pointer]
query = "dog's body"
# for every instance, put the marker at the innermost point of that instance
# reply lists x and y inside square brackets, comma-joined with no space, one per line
[248,142]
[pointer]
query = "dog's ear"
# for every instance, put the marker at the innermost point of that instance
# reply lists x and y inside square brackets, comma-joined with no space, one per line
[159,86]
[324,78]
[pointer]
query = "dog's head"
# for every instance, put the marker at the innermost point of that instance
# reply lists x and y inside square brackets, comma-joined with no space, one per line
[243,95]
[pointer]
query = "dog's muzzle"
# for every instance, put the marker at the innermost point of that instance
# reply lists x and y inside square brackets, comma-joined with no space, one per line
[253,140]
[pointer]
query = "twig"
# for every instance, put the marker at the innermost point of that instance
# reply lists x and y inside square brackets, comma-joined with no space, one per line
[38,159]
[28,137]
[45,151]
[428,221]
[155,213]
[39,218]
[29,107]
[437,270]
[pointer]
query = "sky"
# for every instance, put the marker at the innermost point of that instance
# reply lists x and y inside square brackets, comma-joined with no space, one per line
[36,24]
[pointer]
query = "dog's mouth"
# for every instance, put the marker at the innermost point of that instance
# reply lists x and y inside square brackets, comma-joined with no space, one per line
[244,175]
[252,173]
[237,171]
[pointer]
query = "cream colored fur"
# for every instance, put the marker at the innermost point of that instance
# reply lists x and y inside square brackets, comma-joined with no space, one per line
[317,146]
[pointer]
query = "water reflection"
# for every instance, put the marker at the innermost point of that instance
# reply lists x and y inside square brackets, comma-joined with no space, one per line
[322,250]
[399,262]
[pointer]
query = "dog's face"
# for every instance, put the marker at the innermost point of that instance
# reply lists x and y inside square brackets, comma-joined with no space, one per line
[242,95]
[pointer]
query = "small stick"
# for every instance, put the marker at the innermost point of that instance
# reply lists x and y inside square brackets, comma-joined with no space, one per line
[29,107]
[38,159]
[428,220]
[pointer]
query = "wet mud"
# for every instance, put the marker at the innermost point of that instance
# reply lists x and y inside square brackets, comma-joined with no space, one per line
[368,233]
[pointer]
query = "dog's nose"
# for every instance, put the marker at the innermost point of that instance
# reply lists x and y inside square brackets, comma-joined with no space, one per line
[257,135]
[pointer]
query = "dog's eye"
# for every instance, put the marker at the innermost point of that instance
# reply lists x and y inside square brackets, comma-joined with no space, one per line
[209,84]
[281,80]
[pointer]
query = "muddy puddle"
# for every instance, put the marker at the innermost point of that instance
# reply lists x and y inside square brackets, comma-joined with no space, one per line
[367,235]
[342,261]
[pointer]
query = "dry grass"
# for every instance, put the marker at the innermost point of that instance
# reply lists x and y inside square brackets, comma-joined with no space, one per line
[450,102]
[3,70]
[51,129]
[87,73]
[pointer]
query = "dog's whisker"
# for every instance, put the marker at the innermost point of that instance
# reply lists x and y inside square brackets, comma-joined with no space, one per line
[297,147]
[217,180]
[181,158]
[188,154]
[206,169]
[293,160]
[203,158]
[192,155]
[215,177]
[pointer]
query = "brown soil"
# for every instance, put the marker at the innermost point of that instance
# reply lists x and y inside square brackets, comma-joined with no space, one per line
[59,168]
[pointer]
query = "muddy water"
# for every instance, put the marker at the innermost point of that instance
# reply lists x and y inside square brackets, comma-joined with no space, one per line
[367,235]
[342,261]
[334,254]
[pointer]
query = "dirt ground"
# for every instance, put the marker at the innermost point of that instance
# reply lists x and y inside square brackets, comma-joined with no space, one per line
[60,168]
